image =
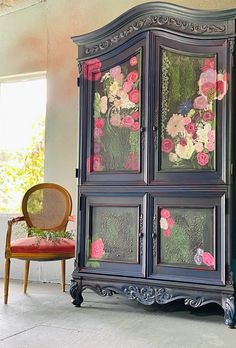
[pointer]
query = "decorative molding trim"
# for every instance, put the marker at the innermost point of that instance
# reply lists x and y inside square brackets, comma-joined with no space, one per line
[154,21]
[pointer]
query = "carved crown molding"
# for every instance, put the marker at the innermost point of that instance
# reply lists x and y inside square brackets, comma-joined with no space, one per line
[161,16]
[156,22]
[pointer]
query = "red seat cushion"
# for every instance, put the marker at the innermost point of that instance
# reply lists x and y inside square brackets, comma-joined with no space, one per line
[35,245]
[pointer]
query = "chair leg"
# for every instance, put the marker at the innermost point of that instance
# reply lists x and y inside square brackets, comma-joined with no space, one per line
[6,279]
[26,275]
[63,275]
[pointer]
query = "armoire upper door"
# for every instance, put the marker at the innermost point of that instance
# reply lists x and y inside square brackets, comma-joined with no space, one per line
[113,121]
[189,111]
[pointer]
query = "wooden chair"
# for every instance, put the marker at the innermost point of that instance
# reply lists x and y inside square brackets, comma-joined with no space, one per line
[48,207]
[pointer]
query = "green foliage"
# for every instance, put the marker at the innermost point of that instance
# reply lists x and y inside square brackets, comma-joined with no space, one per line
[49,235]
[96,105]
[134,141]
[20,171]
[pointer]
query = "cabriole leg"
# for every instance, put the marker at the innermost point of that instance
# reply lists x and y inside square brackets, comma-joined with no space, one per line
[75,291]
[229,308]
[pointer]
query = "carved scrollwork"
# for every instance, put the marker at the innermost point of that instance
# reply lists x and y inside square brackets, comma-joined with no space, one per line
[194,302]
[147,295]
[157,21]
[104,291]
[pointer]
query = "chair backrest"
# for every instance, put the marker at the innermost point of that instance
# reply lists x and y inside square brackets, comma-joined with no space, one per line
[47,206]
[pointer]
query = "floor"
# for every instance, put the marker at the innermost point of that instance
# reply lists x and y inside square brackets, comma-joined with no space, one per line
[46,318]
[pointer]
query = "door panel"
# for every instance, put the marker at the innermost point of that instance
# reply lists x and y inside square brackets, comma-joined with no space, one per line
[115,231]
[190,105]
[115,117]
[188,237]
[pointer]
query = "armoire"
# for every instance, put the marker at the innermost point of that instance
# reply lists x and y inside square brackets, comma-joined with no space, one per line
[156,182]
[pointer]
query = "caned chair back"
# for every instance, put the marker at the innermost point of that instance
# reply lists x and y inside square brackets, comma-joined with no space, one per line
[47,206]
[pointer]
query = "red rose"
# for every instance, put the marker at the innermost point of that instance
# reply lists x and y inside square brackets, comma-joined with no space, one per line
[208,116]
[133,61]
[91,69]
[135,115]
[134,96]
[132,76]
[135,126]
[167,232]
[171,222]
[99,122]
[202,158]
[167,145]
[97,249]
[206,88]
[165,213]
[220,87]
[209,63]
[208,259]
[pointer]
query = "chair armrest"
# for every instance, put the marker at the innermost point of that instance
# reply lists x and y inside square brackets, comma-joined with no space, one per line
[9,231]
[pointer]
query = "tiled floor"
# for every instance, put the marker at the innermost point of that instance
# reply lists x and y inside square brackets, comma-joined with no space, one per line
[45,318]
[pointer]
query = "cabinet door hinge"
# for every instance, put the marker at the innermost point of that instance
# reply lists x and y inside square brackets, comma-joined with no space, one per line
[78,81]
[77,172]
[81,203]
[232,51]
[232,169]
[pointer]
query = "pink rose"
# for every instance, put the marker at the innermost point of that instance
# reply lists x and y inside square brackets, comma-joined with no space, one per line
[200,102]
[210,146]
[165,213]
[97,249]
[99,122]
[98,132]
[97,163]
[91,69]
[208,116]
[190,128]
[209,75]
[209,63]
[116,71]
[134,96]
[171,222]
[208,259]
[206,88]
[186,120]
[135,126]
[128,121]
[132,76]
[221,89]
[211,136]
[135,115]
[202,158]
[167,233]
[132,162]
[167,145]
[94,163]
[182,142]
[133,61]
[127,86]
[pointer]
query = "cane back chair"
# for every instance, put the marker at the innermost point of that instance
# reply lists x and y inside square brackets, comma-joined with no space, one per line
[47,207]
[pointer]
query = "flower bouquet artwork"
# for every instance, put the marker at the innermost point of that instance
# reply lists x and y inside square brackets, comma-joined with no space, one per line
[186,237]
[191,86]
[115,115]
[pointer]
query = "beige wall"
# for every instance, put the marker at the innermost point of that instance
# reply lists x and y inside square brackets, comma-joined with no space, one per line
[37,38]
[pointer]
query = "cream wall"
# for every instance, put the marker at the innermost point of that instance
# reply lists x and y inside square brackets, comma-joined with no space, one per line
[37,38]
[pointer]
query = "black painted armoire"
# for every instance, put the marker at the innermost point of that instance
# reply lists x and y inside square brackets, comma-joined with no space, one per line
[156,207]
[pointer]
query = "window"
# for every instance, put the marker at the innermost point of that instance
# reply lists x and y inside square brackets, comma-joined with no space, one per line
[22,129]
